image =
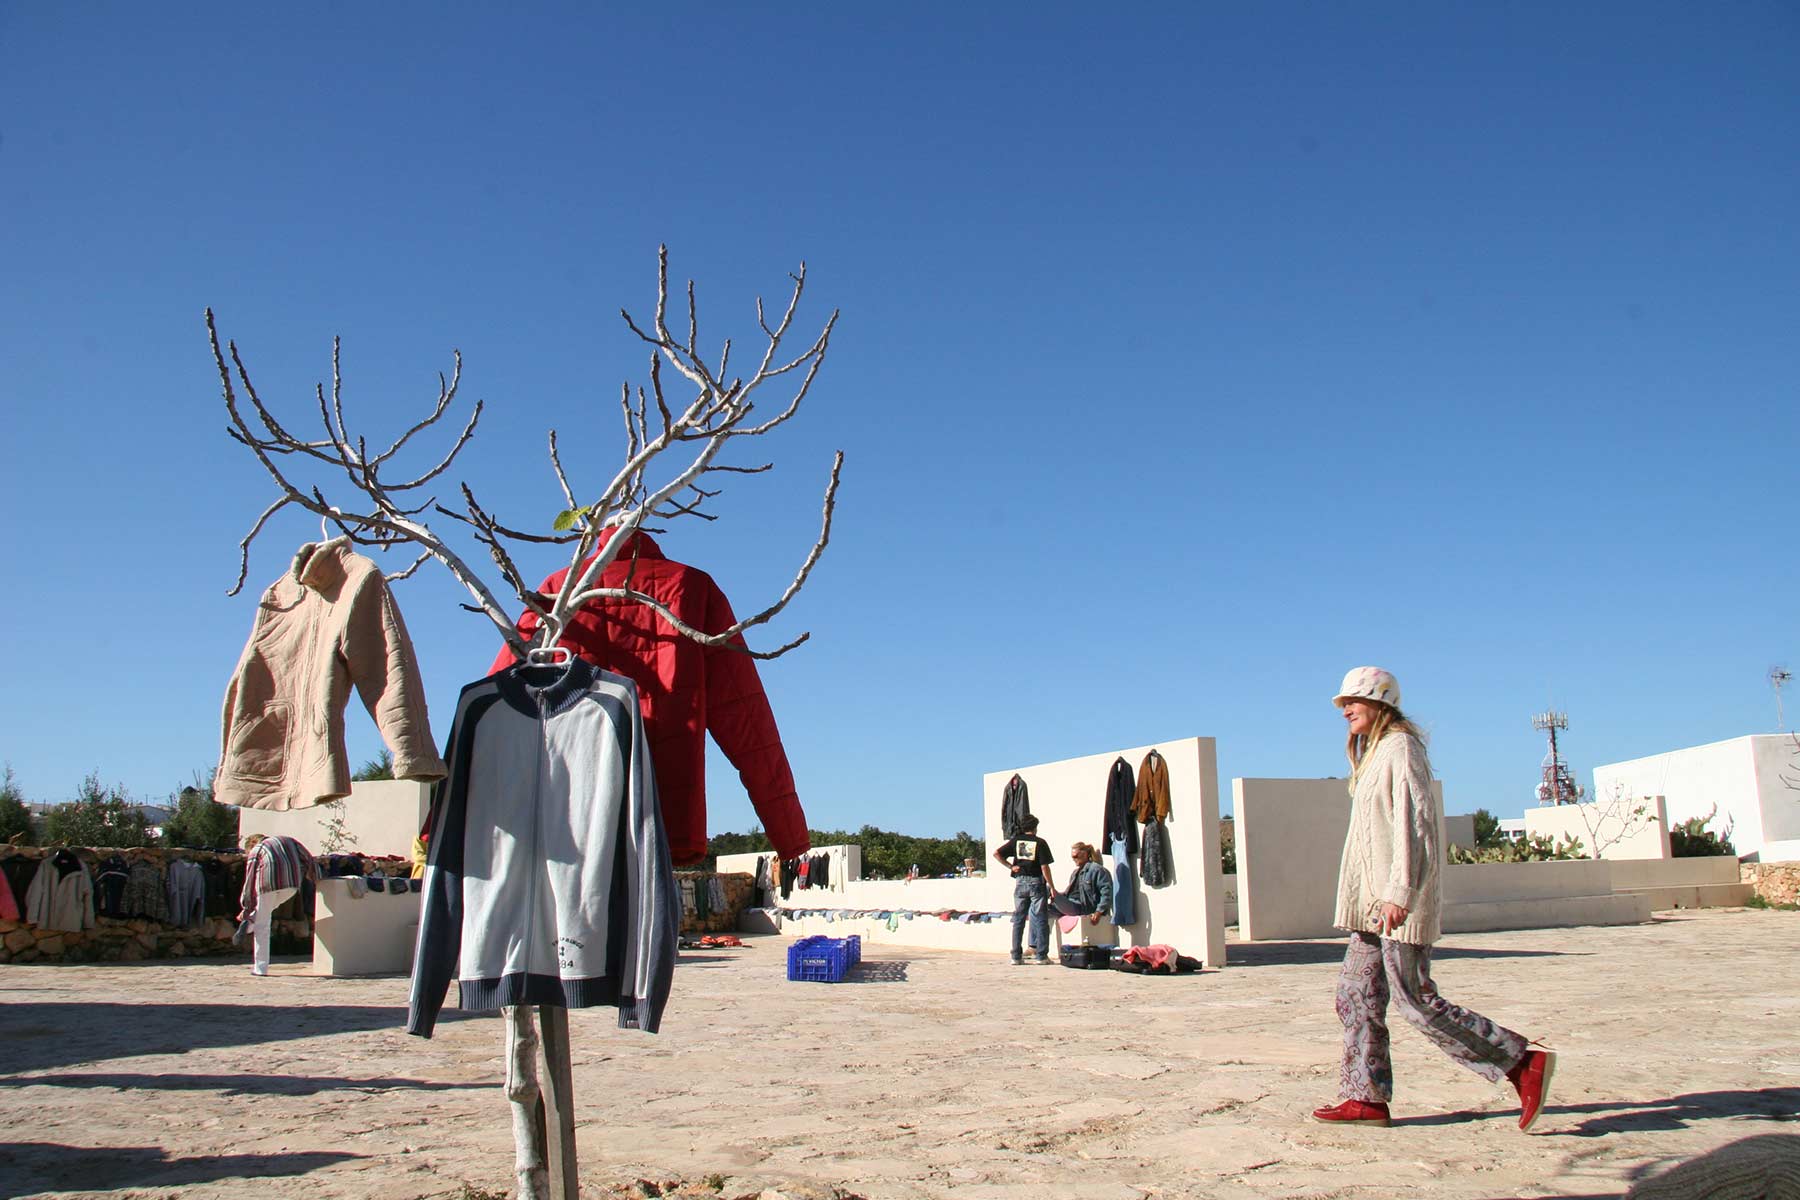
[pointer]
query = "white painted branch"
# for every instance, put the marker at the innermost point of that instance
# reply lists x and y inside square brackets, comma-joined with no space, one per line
[530,1166]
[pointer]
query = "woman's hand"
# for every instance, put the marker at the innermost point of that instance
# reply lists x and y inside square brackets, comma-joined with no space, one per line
[1389,917]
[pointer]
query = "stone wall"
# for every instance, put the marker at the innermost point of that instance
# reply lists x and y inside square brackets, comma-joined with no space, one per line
[133,939]
[1778,883]
[740,890]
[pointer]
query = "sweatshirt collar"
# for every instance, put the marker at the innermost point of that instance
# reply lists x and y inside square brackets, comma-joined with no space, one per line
[543,690]
[319,565]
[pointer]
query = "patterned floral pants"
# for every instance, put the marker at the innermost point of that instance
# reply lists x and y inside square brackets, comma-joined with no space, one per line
[1374,969]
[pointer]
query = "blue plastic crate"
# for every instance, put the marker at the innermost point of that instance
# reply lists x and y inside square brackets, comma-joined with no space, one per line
[822,959]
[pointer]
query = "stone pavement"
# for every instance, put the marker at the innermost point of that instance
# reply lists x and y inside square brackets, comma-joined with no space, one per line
[934,1074]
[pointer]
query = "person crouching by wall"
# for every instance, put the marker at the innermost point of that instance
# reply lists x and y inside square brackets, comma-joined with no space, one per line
[1390,900]
[1090,891]
[274,869]
[1028,857]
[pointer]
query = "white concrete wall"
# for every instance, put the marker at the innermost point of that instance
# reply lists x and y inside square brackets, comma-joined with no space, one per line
[1459,830]
[1695,779]
[372,934]
[380,817]
[1069,800]
[1290,840]
[1777,762]
[1610,827]
[1673,872]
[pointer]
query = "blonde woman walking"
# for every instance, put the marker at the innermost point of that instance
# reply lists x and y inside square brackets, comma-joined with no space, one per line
[1389,898]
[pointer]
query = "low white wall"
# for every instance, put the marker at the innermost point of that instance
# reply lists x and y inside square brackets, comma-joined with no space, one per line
[380,817]
[1674,872]
[372,934]
[1484,883]
[1613,827]
[1460,830]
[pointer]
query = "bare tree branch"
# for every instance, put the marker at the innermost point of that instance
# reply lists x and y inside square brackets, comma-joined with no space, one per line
[649,484]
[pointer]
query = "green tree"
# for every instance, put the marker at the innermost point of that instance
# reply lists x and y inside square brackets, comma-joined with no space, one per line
[15,818]
[200,822]
[1487,828]
[98,816]
[379,767]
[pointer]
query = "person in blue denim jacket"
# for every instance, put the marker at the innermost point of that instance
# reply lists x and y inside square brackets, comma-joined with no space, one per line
[1090,891]
[1028,857]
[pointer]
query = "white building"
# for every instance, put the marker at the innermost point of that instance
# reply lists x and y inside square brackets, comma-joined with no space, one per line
[1753,781]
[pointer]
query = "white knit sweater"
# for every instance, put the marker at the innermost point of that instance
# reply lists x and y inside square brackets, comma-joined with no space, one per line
[1394,851]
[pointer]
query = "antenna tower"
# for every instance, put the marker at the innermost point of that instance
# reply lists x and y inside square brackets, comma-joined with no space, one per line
[1558,785]
[1778,676]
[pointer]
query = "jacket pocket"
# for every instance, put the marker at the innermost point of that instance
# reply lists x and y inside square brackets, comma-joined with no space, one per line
[259,745]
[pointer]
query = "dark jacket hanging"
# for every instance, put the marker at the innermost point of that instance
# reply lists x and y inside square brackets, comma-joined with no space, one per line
[1015,806]
[1121,789]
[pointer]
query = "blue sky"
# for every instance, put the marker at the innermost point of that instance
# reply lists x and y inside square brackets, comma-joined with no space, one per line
[1189,356]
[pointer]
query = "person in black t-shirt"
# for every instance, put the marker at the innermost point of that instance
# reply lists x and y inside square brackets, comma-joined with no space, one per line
[1028,857]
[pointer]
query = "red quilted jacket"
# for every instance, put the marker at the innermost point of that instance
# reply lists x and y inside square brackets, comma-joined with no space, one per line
[687,691]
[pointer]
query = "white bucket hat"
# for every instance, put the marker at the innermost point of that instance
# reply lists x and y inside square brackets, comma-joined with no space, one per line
[1369,683]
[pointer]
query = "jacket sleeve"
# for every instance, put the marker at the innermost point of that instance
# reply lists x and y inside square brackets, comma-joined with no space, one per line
[740,720]
[1106,890]
[1414,827]
[386,673]
[439,945]
[654,919]
[37,895]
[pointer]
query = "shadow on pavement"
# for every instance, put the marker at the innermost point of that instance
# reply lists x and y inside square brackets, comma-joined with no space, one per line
[872,970]
[1269,954]
[1648,1116]
[238,1085]
[40,1036]
[56,1168]
[1764,1165]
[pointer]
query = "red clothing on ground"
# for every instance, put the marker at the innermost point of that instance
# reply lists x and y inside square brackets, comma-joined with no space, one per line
[687,690]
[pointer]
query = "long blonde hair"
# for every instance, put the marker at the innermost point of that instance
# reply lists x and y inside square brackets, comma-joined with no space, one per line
[1388,719]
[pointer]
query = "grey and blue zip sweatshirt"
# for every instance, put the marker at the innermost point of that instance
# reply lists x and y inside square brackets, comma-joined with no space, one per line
[549,879]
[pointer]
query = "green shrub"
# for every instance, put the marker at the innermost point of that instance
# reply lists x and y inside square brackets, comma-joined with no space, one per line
[1692,839]
[201,823]
[1539,848]
[98,816]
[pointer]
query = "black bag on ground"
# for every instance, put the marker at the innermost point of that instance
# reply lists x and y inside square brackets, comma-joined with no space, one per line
[1087,957]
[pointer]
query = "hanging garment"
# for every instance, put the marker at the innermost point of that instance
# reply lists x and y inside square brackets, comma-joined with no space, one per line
[715,894]
[222,886]
[686,888]
[1124,910]
[109,886]
[186,893]
[1150,802]
[1015,806]
[687,690]
[790,868]
[9,904]
[1159,868]
[821,871]
[327,625]
[145,892]
[1121,788]
[275,862]
[549,880]
[61,895]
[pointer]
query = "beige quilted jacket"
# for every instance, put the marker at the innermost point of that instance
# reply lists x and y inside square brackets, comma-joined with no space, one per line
[329,624]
